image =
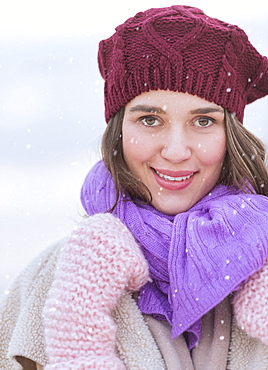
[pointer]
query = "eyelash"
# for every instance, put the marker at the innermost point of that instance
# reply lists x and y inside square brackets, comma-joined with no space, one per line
[209,120]
[142,119]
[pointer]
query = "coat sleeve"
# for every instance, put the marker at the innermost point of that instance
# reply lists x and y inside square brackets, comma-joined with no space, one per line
[251,305]
[21,325]
[100,262]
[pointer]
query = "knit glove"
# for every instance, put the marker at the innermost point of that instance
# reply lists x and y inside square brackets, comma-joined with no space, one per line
[251,305]
[100,262]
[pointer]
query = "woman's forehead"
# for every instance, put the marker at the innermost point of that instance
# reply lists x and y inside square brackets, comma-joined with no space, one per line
[159,101]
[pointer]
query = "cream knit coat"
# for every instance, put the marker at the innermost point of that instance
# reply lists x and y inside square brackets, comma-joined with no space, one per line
[92,321]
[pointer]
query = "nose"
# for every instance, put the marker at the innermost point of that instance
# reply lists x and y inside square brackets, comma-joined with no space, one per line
[176,146]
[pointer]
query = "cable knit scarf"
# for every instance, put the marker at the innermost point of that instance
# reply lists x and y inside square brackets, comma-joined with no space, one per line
[196,258]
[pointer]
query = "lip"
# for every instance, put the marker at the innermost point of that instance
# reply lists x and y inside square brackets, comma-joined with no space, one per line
[173,185]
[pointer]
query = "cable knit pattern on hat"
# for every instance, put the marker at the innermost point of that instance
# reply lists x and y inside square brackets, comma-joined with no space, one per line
[99,263]
[251,305]
[179,48]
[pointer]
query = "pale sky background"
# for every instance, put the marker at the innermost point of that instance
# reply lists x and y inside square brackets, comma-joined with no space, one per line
[80,17]
[51,109]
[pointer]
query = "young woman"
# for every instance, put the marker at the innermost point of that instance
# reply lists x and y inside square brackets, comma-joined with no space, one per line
[169,270]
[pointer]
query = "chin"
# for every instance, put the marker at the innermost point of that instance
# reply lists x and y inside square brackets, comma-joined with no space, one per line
[170,208]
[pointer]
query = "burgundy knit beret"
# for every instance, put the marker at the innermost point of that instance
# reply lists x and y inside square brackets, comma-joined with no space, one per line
[179,48]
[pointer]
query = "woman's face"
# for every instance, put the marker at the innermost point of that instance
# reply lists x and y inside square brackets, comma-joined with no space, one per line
[175,143]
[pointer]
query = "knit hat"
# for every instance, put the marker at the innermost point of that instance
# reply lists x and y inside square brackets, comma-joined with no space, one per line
[179,48]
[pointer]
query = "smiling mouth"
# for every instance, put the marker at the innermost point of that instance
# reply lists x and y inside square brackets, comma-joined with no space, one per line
[174,179]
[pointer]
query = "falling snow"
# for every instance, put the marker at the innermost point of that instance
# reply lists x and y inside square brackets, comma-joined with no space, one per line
[51,123]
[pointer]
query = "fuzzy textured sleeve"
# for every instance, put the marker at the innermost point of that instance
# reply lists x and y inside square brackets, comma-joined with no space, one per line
[100,262]
[21,324]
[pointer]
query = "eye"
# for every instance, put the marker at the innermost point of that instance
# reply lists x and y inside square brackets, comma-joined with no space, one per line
[149,121]
[204,121]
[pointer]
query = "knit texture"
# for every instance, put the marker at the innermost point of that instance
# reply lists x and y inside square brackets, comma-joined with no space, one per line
[22,333]
[180,48]
[251,305]
[196,258]
[100,262]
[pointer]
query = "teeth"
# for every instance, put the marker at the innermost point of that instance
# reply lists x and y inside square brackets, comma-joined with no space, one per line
[170,178]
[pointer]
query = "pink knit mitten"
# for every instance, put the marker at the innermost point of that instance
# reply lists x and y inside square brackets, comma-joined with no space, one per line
[251,305]
[99,263]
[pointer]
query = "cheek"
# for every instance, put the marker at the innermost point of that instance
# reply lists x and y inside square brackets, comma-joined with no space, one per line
[212,152]
[133,147]
[137,147]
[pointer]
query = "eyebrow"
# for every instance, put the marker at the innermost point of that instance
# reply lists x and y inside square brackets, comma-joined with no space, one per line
[153,109]
[147,109]
[206,110]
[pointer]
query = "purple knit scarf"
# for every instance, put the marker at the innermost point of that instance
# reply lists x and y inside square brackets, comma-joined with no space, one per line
[196,258]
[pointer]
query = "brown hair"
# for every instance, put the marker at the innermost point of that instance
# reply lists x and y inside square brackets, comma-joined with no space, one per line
[245,161]
[244,165]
